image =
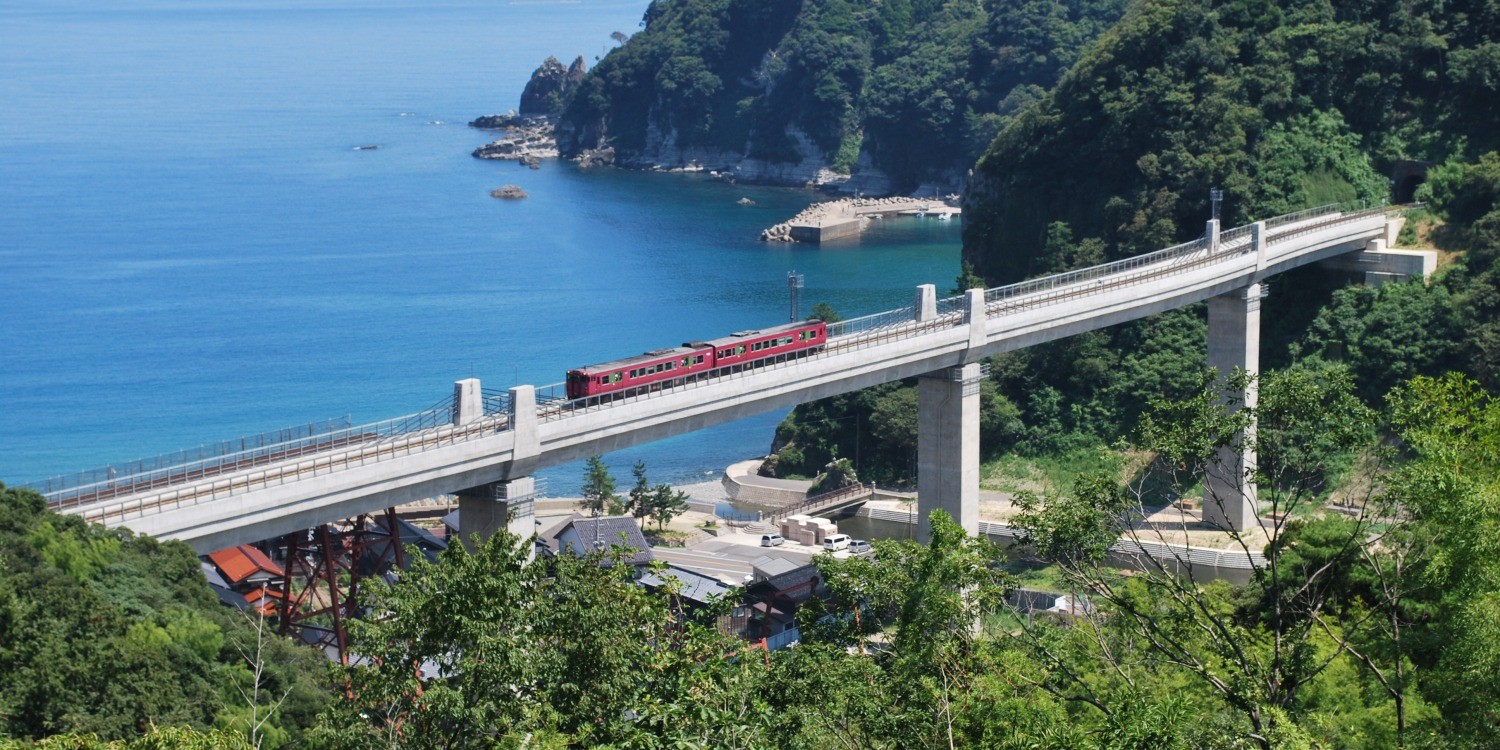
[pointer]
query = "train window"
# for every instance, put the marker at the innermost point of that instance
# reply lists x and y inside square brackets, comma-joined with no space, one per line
[740,349]
[670,366]
[617,377]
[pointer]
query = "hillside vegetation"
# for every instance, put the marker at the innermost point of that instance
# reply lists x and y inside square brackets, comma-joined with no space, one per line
[909,89]
[1285,105]
[1282,103]
[107,634]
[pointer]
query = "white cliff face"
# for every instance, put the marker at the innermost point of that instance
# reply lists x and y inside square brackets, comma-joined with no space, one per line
[663,152]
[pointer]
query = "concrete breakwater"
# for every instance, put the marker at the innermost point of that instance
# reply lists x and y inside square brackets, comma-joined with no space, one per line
[846,217]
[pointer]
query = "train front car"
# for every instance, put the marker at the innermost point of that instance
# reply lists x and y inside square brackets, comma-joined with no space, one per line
[746,347]
[653,367]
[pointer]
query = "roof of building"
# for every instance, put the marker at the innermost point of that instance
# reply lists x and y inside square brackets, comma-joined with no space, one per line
[695,587]
[782,575]
[212,574]
[239,563]
[770,566]
[605,533]
[264,599]
[410,533]
[229,597]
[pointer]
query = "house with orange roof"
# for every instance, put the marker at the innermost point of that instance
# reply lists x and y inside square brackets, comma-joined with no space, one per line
[245,566]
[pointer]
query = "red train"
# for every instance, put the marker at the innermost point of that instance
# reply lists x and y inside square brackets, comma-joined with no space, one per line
[693,357]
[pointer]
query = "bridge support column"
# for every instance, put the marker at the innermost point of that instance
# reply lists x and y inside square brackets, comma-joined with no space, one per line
[948,446]
[484,510]
[1234,343]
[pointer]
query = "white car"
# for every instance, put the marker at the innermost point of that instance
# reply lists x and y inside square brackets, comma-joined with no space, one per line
[771,540]
[835,542]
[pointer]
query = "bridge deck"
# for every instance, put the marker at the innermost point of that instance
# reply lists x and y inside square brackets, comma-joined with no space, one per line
[861,352]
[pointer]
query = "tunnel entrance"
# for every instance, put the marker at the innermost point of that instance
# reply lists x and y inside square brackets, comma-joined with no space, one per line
[1406,175]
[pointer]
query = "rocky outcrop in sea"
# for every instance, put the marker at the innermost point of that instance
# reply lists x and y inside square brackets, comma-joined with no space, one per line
[527,138]
[549,84]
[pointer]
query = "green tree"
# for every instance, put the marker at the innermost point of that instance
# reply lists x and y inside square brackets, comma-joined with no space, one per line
[824,312]
[106,634]
[640,494]
[599,488]
[967,279]
[1452,487]
[666,504]
[1258,650]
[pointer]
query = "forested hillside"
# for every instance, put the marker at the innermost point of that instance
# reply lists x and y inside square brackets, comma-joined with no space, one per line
[108,634]
[1283,104]
[899,92]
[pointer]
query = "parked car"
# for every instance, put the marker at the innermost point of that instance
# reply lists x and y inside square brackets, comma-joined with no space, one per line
[835,542]
[771,540]
[859,545]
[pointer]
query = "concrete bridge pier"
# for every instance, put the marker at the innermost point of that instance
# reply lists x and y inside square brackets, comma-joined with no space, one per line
[1234,343]
[948,447]
[484,510]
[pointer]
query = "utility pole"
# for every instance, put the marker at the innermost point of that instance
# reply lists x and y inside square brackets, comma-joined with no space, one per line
[794,286]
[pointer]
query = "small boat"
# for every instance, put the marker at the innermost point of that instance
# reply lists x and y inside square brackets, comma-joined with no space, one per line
[945,217]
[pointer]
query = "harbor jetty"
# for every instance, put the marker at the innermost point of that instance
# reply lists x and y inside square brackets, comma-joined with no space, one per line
[847,217]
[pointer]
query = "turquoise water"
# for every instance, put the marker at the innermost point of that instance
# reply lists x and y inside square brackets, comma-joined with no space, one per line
[192,250]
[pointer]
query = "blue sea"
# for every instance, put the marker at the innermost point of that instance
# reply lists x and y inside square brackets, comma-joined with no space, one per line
[192,249]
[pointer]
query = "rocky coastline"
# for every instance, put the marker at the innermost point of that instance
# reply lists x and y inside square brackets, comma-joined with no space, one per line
[528,138]
[534,133]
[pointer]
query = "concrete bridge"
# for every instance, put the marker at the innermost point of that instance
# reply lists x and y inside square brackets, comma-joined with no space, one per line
[485,447]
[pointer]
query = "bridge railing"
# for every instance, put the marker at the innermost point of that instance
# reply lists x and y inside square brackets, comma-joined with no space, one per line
[402,436]
[1294,217]
[820,501]
[1048,289]
[1304,229]
[953,305]
[495,401]
[1235,236]
[59,486]
[213,478]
